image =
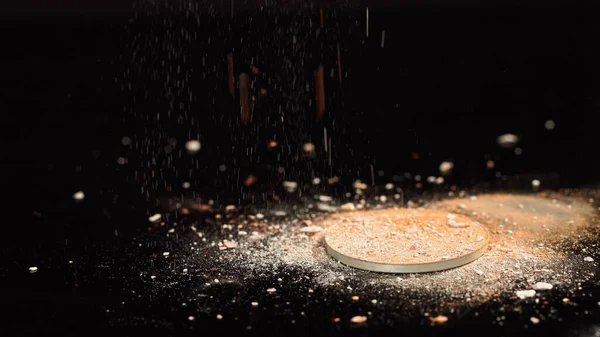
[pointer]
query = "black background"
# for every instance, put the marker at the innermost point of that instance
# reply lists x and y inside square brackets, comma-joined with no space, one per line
[450,79]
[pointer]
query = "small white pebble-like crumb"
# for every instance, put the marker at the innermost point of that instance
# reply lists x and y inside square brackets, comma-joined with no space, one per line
[534,320]
[79,196]
[542,286]
[522,294]
[348,207]
[478,272]
[216,280]
[374,301]
[33,269]
[152,277]
[219,316]
[193,146]
[271,290]
[191,318]
[355,298]
[260,216]
[588,259]
[155,218]
[165,254]
[358,319]
[254,304]
[185,270]
[186,185]
[308,147]
[535,183]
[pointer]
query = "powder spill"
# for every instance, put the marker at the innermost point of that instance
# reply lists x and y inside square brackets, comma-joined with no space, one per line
[533,239]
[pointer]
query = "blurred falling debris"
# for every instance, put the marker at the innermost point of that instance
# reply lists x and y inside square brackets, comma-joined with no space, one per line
[320,91]
[244,98]
[230,74]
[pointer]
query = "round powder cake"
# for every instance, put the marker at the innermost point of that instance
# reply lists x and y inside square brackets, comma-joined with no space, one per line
[404,240]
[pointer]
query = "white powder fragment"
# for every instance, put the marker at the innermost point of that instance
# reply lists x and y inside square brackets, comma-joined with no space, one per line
[271,290]
[155,218]
[325,198]
[165,254]
[219,316]
[348,207]
[260,216]
[542,286]
[522,294]
[254,304]
[79,196]
[308,147]
[191,318]
[311,229]
[33,270]
[290,186]
[193,146]
[588,259]
[534,320]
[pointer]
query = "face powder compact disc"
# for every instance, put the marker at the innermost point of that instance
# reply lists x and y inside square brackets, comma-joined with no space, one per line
[405,240]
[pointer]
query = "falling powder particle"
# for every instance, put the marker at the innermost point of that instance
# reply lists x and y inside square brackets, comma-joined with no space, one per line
[79,196]
[549,125]
[534,320]
[33,270]
[507,140]
[358,319]
[126,141]
[355,298]
[439,319]
[155,218]
[219,316]
[535,183]
[290,186]
[254,304]
[191,318]
[193,146]
[308,147]
[523,294]
[588,259]
[271,290]
[446,167]
[186,185]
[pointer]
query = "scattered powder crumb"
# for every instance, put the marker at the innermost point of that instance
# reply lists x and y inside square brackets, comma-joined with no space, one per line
[542,286]
[439,319]
[358,319]
[534,320]
[539,247]
[588,259]
[523,294]
[355,298]
[155,218]
[271,290]
[219,316]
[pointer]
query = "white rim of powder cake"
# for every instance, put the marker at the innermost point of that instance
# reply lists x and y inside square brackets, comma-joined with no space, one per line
[348,241]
